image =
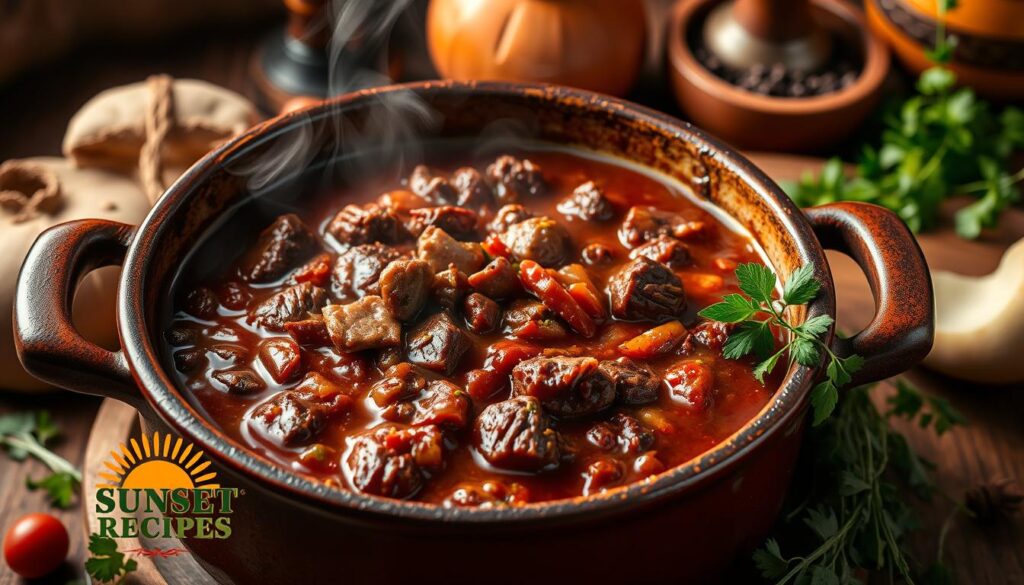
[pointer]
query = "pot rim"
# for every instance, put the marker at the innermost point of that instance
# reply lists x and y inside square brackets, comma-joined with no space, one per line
[167,401]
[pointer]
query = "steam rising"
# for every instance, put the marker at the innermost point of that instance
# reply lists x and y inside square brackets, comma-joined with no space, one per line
[358,60]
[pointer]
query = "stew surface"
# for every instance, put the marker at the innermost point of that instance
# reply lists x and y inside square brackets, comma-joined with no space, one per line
[518,330]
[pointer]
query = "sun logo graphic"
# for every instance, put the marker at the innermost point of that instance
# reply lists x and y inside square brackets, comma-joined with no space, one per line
[158,465]
[159,486]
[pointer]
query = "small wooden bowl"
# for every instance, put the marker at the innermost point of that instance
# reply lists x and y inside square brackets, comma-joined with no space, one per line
[755,121]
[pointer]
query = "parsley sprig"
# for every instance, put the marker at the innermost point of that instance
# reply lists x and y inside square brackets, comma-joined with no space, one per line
[939,142]
[106,564]
[855,511]
[756,335]
[25,434]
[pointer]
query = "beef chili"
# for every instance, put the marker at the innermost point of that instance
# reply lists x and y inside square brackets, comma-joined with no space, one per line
[517,331]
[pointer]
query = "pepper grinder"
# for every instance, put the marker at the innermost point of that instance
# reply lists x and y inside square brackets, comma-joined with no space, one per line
[307,60]
[744,33]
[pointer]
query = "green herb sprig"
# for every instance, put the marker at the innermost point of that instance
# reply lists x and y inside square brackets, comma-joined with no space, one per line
[855,512]
[106,564]
[25,434]
[940,142]
[805,345]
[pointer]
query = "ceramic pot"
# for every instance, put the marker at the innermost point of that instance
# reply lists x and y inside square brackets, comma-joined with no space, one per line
[754,121]
[687,524]
[989,54]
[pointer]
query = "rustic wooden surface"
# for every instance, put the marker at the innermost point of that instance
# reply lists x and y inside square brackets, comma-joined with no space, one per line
[36,109]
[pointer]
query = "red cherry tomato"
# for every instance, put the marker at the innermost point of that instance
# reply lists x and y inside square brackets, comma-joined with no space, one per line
[35,545]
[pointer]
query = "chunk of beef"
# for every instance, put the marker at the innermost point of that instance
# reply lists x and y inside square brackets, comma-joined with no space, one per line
[588,203]
[540,239]
[488,494]
[458,222]
[516,434]
[433,188]
[513,179]
[234,295]
[665,249]
[530,319]
[401,382]
[596,255]
[482,314]
[472,189]
[292,304]
[317,271]
[635,383]
[228,354]
[310,332]
[183,333]
[497,280]
[357,271]
[281,358]
[440,250]
[645,290]
[405,287]
[189,360]
[692,383]
[437,344]
[285,243]
[644,223]
[355,225]
[201,303]
[710,334]
[566,386]
[363,324]
[290,418]
[449,287]
[508,216]
[621,433]
[240,381]
[443,404]
[394,461]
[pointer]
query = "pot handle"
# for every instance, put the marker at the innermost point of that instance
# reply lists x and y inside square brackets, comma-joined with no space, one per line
[48,344]
[901,332]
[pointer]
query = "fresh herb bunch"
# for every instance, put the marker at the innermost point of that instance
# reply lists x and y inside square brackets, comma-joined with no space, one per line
[106,564]
[25,434]
[756,336]
[940,142]
[856,514]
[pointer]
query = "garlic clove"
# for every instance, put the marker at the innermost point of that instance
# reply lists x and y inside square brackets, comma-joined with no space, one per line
[979,323]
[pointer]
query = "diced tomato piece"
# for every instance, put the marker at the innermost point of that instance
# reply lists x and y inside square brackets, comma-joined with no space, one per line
[655,341]
[541,283]
[495,247]
[320,458]
[501,358]
[588,299]
[317,271]
[281,357]
[691,383]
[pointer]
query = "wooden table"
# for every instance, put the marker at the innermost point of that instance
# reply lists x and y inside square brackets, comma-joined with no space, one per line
[36,109]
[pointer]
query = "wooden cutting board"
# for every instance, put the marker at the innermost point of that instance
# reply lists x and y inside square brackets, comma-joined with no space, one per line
[992,446]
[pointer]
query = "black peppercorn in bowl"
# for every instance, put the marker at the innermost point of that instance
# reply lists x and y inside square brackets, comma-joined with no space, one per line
[758,109]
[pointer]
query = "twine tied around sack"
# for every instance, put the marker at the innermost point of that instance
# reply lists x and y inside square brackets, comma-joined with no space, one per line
[28,190]
[157,123]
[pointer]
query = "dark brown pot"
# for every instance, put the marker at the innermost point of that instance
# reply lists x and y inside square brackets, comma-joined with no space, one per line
[686,525]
